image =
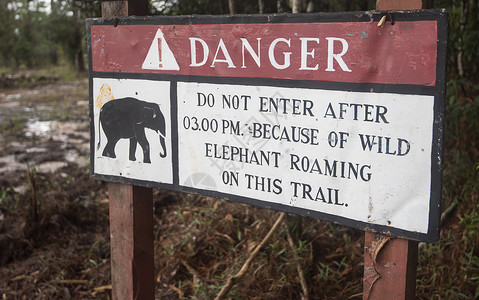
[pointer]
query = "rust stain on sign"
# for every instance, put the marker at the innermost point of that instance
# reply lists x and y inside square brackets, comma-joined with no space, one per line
[104,96]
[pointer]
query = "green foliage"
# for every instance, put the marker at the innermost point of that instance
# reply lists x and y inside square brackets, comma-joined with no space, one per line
[7,35]
[214,7]
[7,198]
[34,35]
[471,224]
[66,24]
[14,124]
[463,37]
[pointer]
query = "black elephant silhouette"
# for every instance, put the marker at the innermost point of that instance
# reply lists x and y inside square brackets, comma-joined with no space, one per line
[127,118]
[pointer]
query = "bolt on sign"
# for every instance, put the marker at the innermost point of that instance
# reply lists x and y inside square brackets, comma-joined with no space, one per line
[324,115]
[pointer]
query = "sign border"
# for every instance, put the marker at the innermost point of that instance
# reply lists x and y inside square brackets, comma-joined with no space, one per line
[438,91]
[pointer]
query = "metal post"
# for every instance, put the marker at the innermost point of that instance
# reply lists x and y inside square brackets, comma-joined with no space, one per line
[390,264]
[131,212]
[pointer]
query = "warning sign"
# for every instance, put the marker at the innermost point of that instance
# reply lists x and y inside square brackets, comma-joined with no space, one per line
[327,116]
[159,55]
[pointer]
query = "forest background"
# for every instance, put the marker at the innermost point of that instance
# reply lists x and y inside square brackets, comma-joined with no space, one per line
[46,40]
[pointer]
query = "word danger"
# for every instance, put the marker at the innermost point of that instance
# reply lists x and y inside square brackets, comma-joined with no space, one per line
[276,55]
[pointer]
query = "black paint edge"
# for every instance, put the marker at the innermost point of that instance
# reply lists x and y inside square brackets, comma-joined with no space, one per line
[437,162]
[407,89]
[90,98]
[174,135]
[328,17]
[364,226]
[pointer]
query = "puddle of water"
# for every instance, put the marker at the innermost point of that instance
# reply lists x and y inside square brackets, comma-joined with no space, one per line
[39,128]
[36,150]
[21,95]
[20,189]
[50,166]
[74,136]
[13,97]
[83,102]
[71,155]
[12,104]
[16,144]
[10,164]
[74,156]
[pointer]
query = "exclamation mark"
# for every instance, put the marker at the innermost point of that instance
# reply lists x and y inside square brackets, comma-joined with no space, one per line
[159,52]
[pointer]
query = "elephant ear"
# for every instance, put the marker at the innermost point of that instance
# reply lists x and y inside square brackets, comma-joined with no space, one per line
[147,113]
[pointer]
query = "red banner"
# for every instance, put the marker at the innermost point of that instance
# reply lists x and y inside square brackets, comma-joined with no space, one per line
[354,52]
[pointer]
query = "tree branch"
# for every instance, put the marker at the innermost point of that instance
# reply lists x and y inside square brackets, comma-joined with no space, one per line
[233,279]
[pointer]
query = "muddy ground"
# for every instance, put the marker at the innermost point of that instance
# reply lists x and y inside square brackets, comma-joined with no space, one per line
[54,234]
[53,217]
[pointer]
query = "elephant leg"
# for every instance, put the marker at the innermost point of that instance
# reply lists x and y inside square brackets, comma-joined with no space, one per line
[146,151]
[133,144]
[141,137]
[109,150]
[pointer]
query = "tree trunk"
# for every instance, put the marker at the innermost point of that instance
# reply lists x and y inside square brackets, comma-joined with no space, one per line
[78,56]
[232,6]
[310,7]
[462,25]
[79,61]
[261,6]
[296,6]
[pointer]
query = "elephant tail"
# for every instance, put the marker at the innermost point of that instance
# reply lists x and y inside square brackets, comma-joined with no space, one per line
[99,134]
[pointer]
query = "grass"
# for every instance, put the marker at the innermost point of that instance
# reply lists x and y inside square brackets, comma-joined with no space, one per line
[203,248]
[217,237]
[27,78]
[14,124]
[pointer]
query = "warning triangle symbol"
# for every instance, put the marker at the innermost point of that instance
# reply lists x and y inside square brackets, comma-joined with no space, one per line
[159,56]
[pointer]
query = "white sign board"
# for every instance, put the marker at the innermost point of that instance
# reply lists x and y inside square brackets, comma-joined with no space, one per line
[326,151]
[339,139]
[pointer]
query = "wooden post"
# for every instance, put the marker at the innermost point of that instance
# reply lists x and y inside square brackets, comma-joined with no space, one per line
[131,212]
[390,264]
[131,242]
[122,8]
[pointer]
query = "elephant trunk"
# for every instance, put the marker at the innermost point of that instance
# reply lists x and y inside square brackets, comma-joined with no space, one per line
[163,146]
